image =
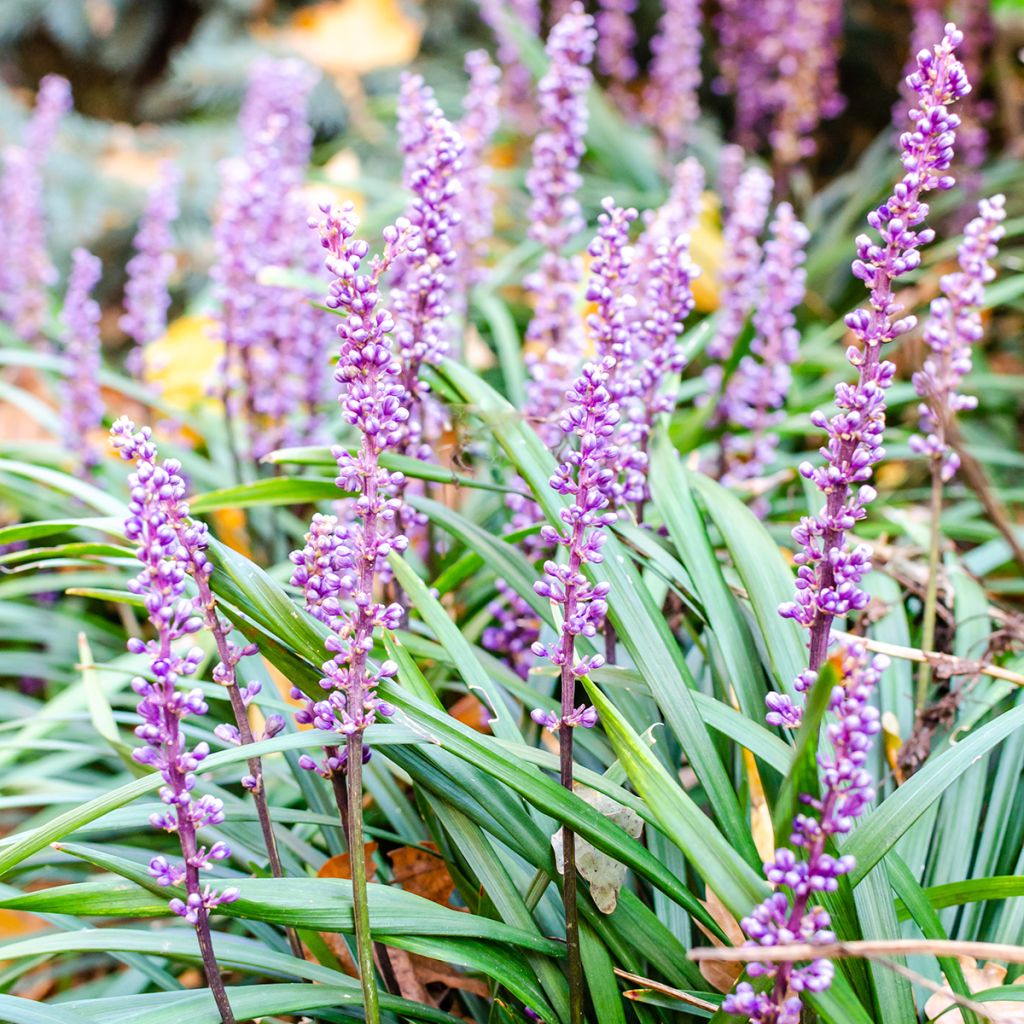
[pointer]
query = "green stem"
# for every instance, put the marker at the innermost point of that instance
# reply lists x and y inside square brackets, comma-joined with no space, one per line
[357,863]
[931,595]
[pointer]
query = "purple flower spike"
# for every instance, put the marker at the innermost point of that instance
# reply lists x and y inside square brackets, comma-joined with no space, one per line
[421,301]
[553,337]
[157,518]
[666,275]
[274,359]
[740,260]
[82,404]
[757,391]
[517,82]
[480,119]
[146,298]
[953,328]
[517,630]
[787,916]
[829,569]
[342,562]
[609,288]
[616,38]
[670,100]
[24,281]
[587,475]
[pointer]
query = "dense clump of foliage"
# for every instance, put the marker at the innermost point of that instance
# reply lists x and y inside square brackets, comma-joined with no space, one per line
[550,558]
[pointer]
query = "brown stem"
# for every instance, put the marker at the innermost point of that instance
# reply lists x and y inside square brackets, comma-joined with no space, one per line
[572,926]
[246,737]
[931,594]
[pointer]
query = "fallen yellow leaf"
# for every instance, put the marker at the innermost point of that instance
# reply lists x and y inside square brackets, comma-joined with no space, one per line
[183,364]
[351,37]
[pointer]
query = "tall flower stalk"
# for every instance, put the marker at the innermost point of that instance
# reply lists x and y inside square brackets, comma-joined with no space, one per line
[847,789]
[154,523]
[953,327]
[341,562]
[82,402]
[830,570]
[587,476]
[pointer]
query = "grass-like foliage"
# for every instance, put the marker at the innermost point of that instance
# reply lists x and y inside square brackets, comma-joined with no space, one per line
[565,548]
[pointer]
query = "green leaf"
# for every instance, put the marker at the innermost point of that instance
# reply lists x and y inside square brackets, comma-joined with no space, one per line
[278,490]
[67,484]
[637,619]
[671,494]
[881,829]
[16,1010]
[713,858]
[765,575]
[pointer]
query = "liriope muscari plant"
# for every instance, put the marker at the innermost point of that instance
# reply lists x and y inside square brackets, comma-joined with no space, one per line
[616,41]
[155,519]
[338,568]
[24,281]
[952,329]
[830,572]
[587,476]
[741,261]
[146,295]
[81,401]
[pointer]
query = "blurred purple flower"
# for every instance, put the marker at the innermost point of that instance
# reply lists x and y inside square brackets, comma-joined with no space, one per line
[756,392]
[274,354]
[517,82]
[741,261]
[81,401]
[516,630]
[24,281]
[553,337]
[830,570]
[953,327]
[670,100]
[616,39]
[146,298]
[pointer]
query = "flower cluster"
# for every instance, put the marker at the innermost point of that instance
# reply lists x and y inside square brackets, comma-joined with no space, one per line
[787,916]
[670,101]
[146,298]
[741,259]
[829,569]
[757,391]
[274,353]
[587,475]
[953,327]
[341,562]
[156,519]
[553,337]
[24,281]
[82,404]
